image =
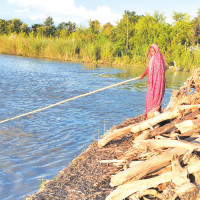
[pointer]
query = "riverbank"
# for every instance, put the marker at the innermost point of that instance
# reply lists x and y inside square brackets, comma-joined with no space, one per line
[105,162]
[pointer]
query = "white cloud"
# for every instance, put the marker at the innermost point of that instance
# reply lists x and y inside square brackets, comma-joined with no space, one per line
[62,9]
[26,10]
[37,17]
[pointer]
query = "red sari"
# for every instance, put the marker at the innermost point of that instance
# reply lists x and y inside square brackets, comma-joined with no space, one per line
[156,81]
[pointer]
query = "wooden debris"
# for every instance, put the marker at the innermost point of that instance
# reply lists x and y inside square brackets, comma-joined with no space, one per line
[149,192]
[165,128]
[146,167]
[112,161]
[155,120]
[133,186]
[179,175]
[192,133]
[194,158]
[130,154]
[132,164]
[158,163]
[183,189]
[188,125]
[156,144]
[114,134]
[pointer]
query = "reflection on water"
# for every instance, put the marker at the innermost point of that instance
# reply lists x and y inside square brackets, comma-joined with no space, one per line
[174,79]
[37,147]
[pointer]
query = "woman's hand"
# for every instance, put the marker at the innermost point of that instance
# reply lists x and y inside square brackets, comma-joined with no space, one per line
[141,76]
[144,74]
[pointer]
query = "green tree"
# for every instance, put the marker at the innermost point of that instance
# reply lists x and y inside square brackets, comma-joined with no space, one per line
[71,27]
[81,34]
[159,17]
[25,29]
[62,26]
[182,29]
[41,31]
[108,29]
[94,27]
[15,25]
[49,21]
[4,27]
[35,27]
[196,32]
[124,33]
[61,30]
[93,30]
[178,16]
[50,29]
[149,30]
[65,29]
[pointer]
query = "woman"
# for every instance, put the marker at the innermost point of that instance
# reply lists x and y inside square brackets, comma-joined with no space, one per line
[156,81]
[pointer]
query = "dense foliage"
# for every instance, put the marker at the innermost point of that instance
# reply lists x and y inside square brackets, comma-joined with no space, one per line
[124,44]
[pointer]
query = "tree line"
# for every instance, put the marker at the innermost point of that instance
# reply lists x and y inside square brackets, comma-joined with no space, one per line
[125,43]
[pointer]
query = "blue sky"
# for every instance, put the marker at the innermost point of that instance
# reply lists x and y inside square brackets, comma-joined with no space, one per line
[80,11]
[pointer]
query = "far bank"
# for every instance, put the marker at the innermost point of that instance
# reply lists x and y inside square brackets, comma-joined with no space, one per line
[94,53]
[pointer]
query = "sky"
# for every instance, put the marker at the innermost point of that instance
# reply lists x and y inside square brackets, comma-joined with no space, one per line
[81,11]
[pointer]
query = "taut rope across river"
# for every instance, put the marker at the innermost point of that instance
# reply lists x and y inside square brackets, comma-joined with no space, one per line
[66,100]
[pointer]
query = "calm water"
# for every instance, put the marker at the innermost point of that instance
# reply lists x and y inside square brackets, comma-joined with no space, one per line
[37,147]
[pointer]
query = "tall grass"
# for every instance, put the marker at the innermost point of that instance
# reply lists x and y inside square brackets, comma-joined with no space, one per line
[101,50]
[40,47]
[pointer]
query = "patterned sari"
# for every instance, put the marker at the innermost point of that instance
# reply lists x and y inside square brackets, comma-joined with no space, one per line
[156,81]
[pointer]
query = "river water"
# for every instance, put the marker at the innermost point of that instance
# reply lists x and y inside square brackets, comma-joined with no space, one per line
[35,148]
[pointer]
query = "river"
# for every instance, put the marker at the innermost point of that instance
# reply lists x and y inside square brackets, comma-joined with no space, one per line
[36,147]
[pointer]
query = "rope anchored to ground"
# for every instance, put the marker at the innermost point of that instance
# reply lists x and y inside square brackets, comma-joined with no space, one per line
[66,100]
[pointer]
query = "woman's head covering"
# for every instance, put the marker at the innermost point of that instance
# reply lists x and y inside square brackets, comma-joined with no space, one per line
[158,58]
[156,49]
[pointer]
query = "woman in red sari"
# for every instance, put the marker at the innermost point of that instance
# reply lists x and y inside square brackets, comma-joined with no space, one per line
[156,81]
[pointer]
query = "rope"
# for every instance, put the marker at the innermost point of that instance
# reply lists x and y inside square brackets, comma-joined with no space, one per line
[61,102]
